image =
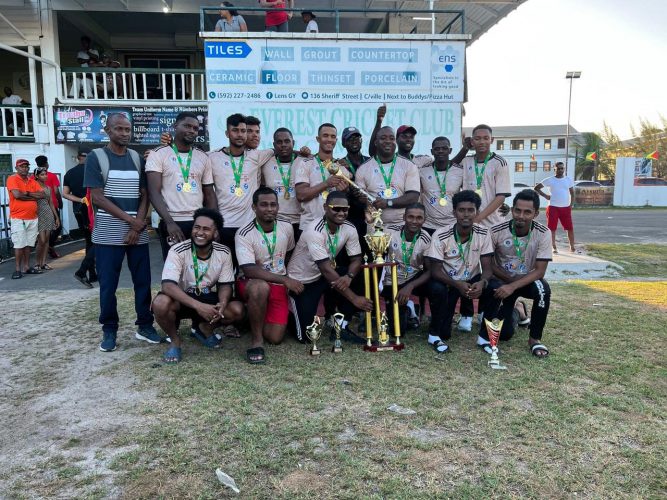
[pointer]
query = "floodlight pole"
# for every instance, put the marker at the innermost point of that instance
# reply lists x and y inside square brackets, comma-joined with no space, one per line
[570,75]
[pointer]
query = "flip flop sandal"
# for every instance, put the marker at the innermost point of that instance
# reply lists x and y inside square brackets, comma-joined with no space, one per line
[257,353]
[230,331]
[539,347]
[17,275]
[172,356]
[524,322]
[440,347]
[33,270]
[46,267]
[213,342]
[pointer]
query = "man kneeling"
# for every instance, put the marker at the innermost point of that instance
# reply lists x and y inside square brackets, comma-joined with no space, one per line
[191,271]
[263,248]
[522,251]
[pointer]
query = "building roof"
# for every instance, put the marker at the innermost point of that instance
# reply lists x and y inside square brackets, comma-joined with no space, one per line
[527,131]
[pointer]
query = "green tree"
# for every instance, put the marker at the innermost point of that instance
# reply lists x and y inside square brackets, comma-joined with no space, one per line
[651,137]
[590,143]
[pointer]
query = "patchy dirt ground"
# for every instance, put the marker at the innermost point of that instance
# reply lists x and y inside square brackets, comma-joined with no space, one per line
[62,403]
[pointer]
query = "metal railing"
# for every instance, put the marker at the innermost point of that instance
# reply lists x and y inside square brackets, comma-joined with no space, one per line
[457,15]
[17,122]
[133,84]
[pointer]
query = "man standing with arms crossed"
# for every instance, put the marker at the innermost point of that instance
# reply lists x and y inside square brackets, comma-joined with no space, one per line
[180,180]
[262,248]
[560,204]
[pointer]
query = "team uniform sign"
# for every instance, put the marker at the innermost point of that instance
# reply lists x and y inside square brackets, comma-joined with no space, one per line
[335,71]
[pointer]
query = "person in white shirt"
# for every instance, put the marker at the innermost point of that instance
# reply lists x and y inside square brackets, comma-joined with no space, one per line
[309,20]
[11,98]
[561,199]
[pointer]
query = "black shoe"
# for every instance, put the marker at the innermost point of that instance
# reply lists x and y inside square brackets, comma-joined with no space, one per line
[349,336]
[92,277]
[83,280]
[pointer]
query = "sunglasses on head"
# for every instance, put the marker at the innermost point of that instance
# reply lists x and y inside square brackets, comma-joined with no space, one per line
[337,208]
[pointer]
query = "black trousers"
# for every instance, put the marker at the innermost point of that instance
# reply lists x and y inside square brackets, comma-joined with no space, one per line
[443,304]
[538,291]
[186,227]
[305,305]
[227,239]
[87,266]
[420,291]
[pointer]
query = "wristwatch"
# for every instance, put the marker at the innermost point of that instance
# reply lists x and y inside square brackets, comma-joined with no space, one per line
[350,275]
[390,203]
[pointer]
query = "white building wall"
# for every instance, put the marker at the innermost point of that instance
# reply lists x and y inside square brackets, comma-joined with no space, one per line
[626,194]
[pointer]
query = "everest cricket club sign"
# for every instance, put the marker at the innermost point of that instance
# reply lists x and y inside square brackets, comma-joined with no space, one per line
[335,71]
[85,124]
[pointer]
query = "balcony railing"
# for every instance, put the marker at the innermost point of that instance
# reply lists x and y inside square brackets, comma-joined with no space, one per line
[17,122]
[133,84]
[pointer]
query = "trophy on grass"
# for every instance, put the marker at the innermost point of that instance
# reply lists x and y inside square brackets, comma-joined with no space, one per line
[314,332]
[337,322]
[378,242]
[493,328]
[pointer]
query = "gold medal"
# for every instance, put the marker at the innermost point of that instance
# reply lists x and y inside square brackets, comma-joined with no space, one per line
[286,195]
[478,191]
[333,263]
[388,192]
[197,291]
[187,187]
[325,194]
[238,192]
[442,201]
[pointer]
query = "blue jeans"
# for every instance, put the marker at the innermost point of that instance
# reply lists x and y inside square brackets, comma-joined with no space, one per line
[109,263]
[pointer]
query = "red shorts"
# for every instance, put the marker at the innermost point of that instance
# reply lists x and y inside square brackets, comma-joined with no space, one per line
[562,214]
[277,310]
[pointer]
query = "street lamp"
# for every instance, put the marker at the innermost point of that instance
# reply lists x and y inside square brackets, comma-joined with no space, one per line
[570,75]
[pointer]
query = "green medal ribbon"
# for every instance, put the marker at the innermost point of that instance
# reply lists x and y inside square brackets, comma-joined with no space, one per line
[463,252]
[387,178]
[349,163]
[517,243]
[319,162]
[479,174]
[285,178]
[185,170]
[442,184]
[404,248]
[195,267]
[237,171]
[271,247]
[332,244]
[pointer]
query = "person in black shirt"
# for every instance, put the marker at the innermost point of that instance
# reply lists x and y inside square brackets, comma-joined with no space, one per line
[74,191]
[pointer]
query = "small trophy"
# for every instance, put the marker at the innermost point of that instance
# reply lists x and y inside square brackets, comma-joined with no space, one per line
[337,322]
[383,336]
[314,332]
[493,328]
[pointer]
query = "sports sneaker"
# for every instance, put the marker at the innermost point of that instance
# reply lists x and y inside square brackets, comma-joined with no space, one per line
[149,334]
[465,324]
[81,278]
[108,343]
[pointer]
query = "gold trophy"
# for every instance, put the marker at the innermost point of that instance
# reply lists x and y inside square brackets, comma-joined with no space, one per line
[334,169]
[383,336]
[314,332]
[337,321]
[378,240]
[493,328]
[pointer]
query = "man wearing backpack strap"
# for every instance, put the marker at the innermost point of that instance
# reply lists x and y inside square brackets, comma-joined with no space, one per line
[117,184]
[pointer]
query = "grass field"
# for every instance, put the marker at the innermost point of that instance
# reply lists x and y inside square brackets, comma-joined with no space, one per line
[587,421]
[647,261]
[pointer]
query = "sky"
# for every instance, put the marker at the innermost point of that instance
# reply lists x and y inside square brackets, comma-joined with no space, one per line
[516,71]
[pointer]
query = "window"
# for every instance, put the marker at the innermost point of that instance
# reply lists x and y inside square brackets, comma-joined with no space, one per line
[561,143]
[547,144]
[518,166]
[517,144]
[533,166]
[500,144]
[546,166]
[533,144]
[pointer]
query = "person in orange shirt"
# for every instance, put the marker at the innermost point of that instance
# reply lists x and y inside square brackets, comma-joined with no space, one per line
[24,191]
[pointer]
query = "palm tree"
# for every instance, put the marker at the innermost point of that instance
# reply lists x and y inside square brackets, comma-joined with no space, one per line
[585,169]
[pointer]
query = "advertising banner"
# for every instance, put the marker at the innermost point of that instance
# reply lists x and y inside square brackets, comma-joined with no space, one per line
[269,70]
[85,124]
[303,120]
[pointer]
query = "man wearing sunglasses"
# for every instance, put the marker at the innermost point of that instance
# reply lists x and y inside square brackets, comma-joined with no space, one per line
[314,265]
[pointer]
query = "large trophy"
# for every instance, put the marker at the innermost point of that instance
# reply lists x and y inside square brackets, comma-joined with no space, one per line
[314,332]
[493,328]
[334,169]
[378,242]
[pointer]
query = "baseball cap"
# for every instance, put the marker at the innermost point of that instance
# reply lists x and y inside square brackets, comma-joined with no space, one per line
[349,132]
[21,162]
[406,128]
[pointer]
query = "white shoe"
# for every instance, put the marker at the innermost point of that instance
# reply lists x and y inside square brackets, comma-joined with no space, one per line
[465,324]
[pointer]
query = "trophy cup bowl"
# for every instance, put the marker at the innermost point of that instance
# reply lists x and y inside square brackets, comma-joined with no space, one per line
[493,328]
[314,332]
[378,241]
[337,321]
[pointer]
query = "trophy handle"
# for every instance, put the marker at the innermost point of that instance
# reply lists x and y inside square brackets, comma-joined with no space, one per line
[335,170]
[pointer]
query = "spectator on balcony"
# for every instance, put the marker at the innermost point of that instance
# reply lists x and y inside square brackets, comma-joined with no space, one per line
[277,17]
[230,21]
[309,20]
[87,57]
[11,99]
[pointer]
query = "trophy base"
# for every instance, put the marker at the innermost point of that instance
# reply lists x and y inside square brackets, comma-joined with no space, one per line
[315,352]
[337,349]
[377,347]
[496,365]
